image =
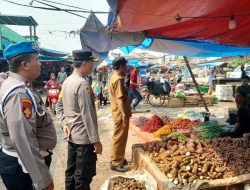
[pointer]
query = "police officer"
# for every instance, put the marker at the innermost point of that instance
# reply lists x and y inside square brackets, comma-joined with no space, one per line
[121,111]
[79,121]
[28,132]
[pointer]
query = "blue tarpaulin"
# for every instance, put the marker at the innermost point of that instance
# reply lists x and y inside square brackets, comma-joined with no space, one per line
[144,45]
[51,52]
[163,66]
[190,48]
[136,63]
[214,64]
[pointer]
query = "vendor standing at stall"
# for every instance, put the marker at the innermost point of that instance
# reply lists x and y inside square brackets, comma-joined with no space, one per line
[245,87]
[211,76]
[243,117]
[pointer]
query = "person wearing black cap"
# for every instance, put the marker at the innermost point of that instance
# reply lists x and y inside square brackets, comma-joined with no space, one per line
[28,130]
[79,122]
[243,117]
[121,112]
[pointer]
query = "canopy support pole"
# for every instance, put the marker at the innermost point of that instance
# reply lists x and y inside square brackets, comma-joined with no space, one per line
[35,37]
[1,39]
[31,38]
[195,83]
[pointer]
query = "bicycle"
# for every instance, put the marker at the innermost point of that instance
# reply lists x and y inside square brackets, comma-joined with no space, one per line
[154,99]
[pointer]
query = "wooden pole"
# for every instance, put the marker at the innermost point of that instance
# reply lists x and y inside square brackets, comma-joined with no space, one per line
[195,83]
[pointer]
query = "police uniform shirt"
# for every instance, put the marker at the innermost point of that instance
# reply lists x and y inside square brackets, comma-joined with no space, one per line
[26,132]
[79,111]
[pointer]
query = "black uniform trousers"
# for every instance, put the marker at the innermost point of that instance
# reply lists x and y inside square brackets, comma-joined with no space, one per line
[102,99]
[81,166]
[12,174]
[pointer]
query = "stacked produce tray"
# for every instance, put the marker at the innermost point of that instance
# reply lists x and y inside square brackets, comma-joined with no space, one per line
[175,102]
[209,99]
[191,101]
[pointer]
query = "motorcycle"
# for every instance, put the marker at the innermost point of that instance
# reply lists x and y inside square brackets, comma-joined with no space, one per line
[53,95]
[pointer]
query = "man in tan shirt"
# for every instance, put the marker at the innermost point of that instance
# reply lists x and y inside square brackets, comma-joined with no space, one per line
[121,111]
[79,121]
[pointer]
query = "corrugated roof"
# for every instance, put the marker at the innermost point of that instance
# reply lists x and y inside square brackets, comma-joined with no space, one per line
[11,35]
[18,20]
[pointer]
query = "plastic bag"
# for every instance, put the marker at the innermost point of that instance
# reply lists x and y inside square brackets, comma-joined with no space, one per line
[150,182]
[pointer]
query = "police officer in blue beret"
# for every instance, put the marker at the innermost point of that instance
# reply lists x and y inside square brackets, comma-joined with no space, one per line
[27,129]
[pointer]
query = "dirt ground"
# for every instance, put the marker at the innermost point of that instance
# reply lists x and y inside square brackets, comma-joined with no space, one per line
[105,130]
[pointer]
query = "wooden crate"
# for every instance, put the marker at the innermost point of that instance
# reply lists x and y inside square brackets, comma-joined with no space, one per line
[191,101]
[175,102]
[200,103]
[209,99]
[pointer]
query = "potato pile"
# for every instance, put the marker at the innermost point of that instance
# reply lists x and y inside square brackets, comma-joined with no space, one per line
[121,183]
[193,160]
[160,146]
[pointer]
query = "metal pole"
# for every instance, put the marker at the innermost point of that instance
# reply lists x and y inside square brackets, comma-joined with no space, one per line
[195,83]
[30,32]
[1,41]
[35,38]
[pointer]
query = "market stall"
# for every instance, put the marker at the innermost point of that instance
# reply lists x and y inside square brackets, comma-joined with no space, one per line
[186,152]
[195,164]
[190,98]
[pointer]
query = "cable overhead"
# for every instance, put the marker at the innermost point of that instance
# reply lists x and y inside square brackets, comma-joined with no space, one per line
[65,5]
[55,9]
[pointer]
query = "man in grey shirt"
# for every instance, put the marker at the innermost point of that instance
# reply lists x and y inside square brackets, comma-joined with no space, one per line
[27,129]
[62,75]
[79,121]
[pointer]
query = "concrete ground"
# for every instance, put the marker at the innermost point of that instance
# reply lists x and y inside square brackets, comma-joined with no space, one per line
[105,130]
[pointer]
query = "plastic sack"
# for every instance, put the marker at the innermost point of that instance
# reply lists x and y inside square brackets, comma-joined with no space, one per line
[150,182]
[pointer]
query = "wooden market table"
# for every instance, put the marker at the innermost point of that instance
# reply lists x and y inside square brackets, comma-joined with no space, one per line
[144,162]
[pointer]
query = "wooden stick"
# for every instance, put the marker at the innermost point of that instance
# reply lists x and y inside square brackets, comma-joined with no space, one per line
[195,83]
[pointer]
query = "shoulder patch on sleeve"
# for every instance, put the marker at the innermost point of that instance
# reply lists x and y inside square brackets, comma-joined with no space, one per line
[88,88]
[26,101]
[26,107]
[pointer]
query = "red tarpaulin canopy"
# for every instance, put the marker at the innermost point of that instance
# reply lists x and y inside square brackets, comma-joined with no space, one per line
[199,19]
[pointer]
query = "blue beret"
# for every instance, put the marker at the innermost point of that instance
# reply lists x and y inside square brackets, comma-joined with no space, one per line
[20,48]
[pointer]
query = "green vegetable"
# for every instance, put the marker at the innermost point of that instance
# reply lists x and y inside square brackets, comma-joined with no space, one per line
[180,95]
[180,136]
[208,130]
